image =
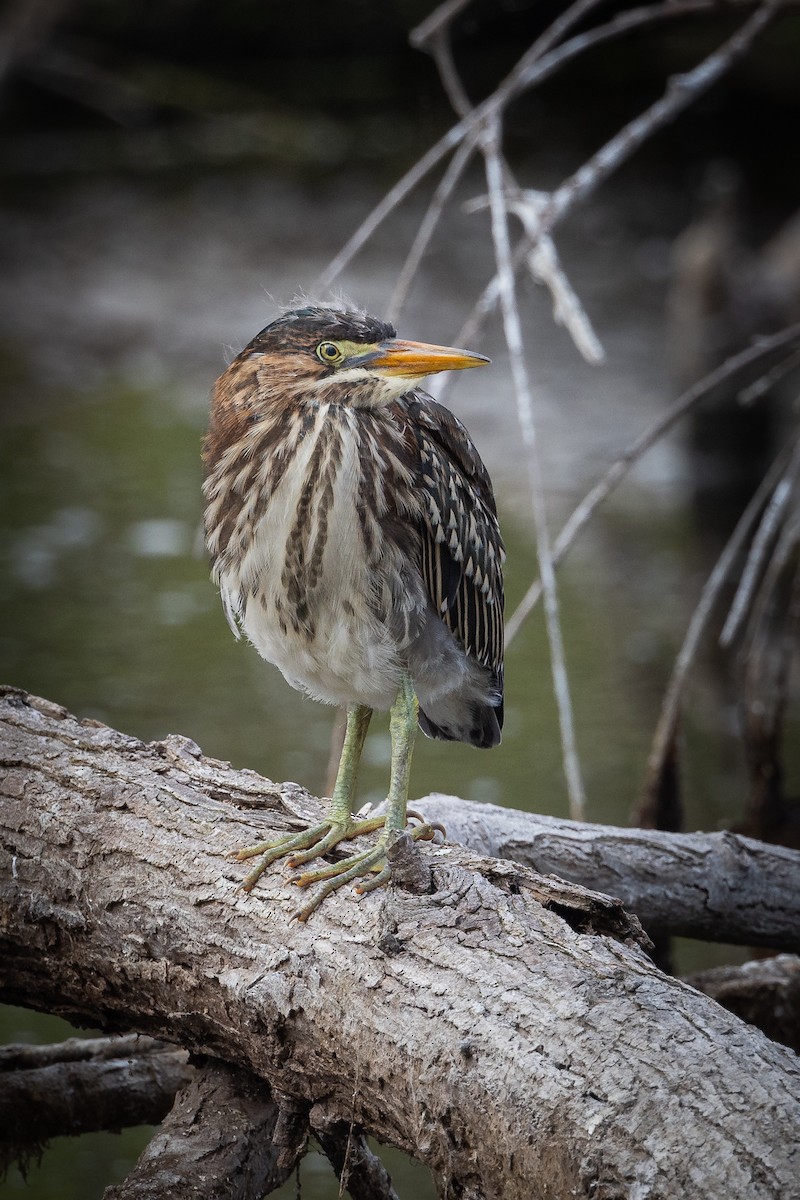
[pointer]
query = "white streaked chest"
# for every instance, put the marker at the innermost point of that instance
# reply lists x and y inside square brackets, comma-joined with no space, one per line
[302,586]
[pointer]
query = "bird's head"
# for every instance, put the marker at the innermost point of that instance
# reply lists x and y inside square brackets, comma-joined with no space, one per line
[326,354]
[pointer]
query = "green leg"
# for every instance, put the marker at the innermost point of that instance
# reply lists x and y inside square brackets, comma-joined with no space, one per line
[344,790]
[403,730]
[338,824]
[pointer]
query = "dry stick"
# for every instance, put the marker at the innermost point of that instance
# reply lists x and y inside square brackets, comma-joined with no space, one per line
[427,227]
[545,268]
[770,523]
[513,335]
[458,98]
[749,395]
[434,34]
[435,37]
[497,167]
[785,549]
[681,91]
[770,712]
[622,465]
[665,728]
[587,178]
[524,75]
[451,80]
[435,22]
[544,265]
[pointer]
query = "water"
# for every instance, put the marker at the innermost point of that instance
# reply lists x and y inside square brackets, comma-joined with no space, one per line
[121,303]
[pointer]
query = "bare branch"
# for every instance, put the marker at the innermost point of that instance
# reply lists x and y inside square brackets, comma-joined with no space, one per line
[83,1085]
[435,22]
[451,80]
[390,201]
[513,335]
[682,90]
[754,359]
[427,226]
[771,519]
[672,699]
[531,70]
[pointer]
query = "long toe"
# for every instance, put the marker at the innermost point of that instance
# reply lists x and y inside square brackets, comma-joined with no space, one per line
[338,874]
[303,847]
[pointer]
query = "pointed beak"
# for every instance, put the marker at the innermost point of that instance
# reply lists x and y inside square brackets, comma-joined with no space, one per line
[416,359]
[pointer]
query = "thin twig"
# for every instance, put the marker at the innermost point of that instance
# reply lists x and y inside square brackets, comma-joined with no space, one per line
[439,19]
[545,268]
[529,71]
[770,704]
[752,357]
[513,334]
[451,80]
[681,91]
[766,383]
[427,227]
[390,201]
[768,527]
[667,721]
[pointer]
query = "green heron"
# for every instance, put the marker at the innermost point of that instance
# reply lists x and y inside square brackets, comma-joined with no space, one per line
[353,535]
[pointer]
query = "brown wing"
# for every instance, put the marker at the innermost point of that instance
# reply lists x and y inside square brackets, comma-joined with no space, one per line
[462,551]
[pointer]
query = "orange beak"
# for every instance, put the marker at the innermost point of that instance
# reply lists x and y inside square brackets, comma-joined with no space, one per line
[417,358]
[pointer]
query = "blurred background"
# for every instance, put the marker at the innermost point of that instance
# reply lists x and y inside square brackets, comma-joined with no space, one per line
[172,173]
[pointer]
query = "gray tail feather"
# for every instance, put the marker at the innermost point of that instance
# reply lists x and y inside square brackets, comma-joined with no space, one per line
[481,727]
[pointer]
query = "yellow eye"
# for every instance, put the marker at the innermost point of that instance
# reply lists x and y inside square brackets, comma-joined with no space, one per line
[330,353]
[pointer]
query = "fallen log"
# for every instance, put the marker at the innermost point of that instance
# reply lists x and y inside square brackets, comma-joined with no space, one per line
[519,1048]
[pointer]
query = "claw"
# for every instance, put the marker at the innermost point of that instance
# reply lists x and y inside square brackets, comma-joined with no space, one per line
[436,825]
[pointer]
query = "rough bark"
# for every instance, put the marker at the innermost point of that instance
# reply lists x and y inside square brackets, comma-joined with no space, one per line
[714,886]
[765,992]
[472,1026]
[215,1144]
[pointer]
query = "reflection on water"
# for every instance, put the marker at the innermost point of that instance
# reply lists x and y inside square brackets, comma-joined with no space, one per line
[106,605]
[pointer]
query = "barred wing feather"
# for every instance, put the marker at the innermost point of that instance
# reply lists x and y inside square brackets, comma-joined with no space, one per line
[462,551]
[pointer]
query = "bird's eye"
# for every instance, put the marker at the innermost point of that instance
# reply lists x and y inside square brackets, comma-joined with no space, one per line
[329,352]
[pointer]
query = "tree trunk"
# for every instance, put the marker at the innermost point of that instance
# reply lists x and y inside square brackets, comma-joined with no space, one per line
[519,1050]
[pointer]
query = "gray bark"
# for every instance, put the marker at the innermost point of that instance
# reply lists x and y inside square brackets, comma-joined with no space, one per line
[714,886]
[519,1050]
[765,992]
[80,1086]
[215,1144]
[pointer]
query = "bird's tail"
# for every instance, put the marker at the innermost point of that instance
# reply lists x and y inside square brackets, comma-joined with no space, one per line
[477,724]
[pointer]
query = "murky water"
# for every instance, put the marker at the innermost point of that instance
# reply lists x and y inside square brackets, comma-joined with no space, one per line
[121,302]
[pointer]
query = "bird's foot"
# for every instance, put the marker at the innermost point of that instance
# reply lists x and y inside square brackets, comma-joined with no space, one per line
[372,862]
[303,847]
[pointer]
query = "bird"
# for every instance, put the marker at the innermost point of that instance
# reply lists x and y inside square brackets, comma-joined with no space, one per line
[353,534]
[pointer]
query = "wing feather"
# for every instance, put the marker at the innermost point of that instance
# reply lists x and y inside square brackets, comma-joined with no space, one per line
[462,550]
